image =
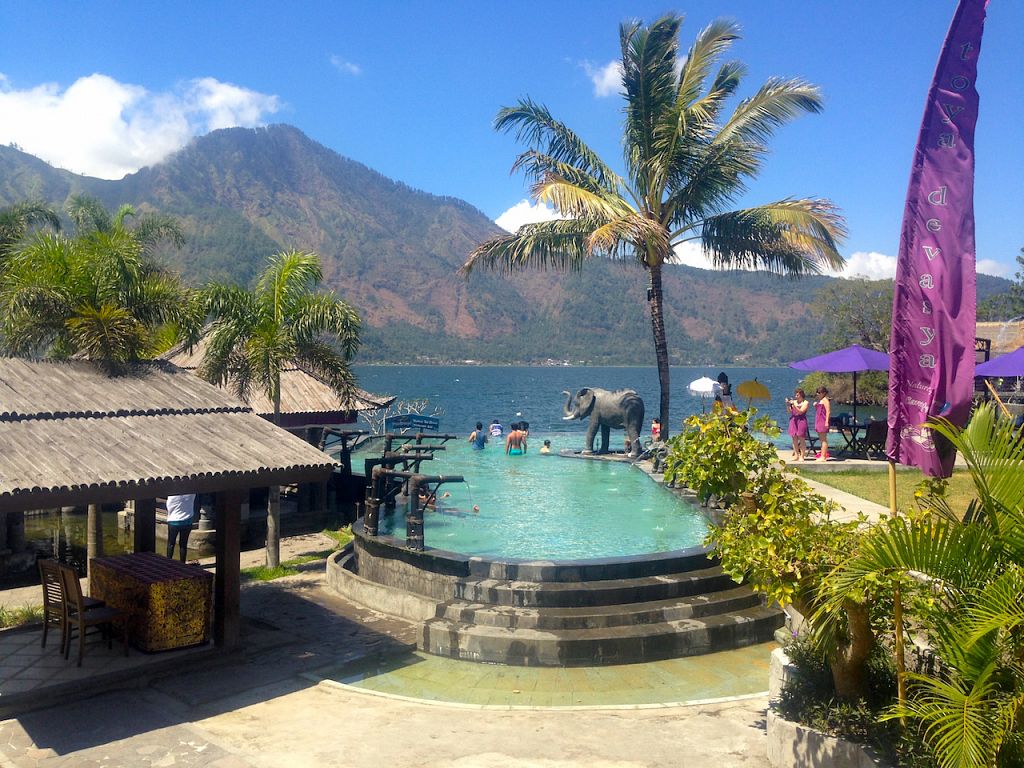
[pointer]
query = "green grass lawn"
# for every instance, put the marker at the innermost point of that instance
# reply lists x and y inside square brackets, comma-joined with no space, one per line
[873,485]
[341,537]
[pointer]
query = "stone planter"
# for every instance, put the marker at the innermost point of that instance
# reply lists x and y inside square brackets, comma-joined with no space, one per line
[791,745]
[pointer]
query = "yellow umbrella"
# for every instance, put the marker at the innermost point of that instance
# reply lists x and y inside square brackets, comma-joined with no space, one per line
[753,390]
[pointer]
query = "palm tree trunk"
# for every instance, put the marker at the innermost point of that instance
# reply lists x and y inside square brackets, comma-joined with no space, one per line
[93,535]
[660,346]
[274,502]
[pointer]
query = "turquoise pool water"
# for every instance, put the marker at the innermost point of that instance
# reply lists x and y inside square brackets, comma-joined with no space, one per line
[551,507]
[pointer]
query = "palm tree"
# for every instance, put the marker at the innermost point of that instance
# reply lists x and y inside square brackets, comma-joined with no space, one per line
[968,569]
[284,322]
[685,165]
[16,221]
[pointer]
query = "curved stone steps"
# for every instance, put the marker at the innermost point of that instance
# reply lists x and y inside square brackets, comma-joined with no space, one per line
[593,617]
[536,594]
[604,645]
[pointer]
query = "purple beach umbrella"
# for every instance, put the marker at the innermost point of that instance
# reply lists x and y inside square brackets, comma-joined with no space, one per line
[1010,364]
[852,359]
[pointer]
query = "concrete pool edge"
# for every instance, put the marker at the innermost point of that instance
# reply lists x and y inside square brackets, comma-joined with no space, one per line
[329,683]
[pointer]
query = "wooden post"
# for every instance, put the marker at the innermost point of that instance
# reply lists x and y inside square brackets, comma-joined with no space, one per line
[145,525]
[897,609]
[228,580]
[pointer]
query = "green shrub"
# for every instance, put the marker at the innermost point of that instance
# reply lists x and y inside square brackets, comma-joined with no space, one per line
[717,452]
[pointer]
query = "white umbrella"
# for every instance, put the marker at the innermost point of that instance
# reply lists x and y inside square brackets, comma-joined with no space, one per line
[704,388]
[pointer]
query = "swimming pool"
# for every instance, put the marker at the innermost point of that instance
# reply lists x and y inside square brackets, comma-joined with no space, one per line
[551,507]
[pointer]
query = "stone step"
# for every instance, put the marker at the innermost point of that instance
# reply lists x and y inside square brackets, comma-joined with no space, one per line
[591,593]
[603,645]
[593,617]
[592,570]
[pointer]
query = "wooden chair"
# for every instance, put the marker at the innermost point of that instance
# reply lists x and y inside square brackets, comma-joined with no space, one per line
[55,608]
[80,617]
[874,438]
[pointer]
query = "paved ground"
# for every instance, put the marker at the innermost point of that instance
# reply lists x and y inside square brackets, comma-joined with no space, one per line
[273,707]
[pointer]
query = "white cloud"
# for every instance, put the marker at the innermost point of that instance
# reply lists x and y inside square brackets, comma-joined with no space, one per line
[692,255]
[345,67]
[869,264]
[990,267]
[879,266]
[101,127]
[607,80]
[525,212]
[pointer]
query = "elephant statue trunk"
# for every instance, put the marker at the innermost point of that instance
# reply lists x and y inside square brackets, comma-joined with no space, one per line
[568,409]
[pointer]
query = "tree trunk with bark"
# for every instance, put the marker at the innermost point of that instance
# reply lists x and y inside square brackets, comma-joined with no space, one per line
[848,660]
[274,498]
[660,347]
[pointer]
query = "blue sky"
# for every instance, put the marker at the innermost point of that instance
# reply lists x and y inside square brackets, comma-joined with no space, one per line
[411,90]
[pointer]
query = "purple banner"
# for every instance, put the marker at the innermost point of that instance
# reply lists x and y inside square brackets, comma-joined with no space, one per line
[931,357]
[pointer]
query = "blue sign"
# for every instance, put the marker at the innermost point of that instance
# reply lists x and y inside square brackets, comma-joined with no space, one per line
[412,421]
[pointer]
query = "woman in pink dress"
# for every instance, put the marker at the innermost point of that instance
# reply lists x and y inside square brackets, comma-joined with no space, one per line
[797,407]
[822,415]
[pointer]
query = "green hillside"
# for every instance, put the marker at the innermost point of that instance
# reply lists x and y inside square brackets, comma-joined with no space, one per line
[393,252]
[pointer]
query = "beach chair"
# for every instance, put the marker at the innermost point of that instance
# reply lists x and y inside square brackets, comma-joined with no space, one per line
[80,617]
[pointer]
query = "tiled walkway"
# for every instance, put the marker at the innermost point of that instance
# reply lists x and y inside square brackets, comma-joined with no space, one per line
[27,669]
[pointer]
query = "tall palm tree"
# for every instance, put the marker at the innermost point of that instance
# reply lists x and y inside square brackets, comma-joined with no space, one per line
[16,221]
[685,165]
[284,322]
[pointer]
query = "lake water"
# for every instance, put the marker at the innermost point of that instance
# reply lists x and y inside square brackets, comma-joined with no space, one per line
[468,394]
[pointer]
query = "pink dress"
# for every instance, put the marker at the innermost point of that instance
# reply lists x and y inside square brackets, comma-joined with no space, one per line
[820,421]
[797,422]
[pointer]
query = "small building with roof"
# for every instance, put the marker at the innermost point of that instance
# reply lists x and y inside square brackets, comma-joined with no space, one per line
[306,400]
[72,435]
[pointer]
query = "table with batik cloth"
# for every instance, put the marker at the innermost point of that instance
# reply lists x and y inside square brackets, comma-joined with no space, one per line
[169,603]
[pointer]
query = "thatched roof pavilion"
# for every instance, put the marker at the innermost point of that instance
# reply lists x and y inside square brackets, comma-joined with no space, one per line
[305,398]
[72,435]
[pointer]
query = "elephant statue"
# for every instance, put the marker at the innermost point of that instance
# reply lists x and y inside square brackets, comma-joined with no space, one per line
[622,409]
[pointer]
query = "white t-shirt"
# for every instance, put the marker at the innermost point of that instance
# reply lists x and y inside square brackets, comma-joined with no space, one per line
[179,508]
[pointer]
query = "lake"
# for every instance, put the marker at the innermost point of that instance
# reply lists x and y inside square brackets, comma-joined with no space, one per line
[471,393]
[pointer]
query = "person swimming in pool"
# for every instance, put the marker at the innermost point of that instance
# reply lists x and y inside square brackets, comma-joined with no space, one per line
[546,448]
[515,443]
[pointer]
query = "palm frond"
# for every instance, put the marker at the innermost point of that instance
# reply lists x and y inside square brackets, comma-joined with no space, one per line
[288,277]
[559,245]
[963,722]
[88,214]
[631,235]
[994,455]
[107,334]
[575,202]
[649,77]
[776,103]
[788,236]
[154,228]
[709,46]
[533,125]
[538,166]
[324,362]
[318,314]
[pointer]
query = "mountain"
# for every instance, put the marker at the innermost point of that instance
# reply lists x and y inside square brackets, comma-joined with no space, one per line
[393,252]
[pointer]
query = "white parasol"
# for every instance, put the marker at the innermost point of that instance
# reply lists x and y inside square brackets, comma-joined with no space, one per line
[704,388]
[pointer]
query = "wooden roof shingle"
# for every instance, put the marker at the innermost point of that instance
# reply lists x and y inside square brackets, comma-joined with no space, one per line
[70,434]
[302,392]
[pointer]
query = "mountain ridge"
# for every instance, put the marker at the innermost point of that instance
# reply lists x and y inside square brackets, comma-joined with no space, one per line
[393,252]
